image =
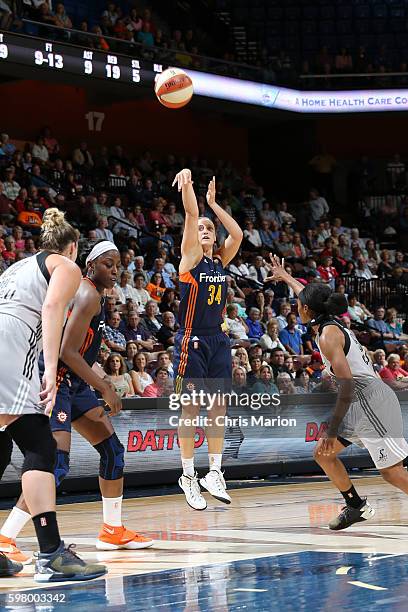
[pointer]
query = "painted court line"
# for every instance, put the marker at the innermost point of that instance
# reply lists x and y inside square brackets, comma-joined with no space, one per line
[253,590]
[364,585]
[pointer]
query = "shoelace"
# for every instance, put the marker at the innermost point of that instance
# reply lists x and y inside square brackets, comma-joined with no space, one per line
[70,551]
[194,488]
[219,482]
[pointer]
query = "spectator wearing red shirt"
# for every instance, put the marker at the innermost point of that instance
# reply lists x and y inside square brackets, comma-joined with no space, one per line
[162,385]
[156,216]
[393,374]
[9,255]
[327,271]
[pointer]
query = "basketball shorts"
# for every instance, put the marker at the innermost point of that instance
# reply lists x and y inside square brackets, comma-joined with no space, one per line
[374,421]
[19,377]
[202,362]
[74,399]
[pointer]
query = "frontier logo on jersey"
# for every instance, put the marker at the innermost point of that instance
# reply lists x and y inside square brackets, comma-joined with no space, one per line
[382,455]
[216,278]
[62,416]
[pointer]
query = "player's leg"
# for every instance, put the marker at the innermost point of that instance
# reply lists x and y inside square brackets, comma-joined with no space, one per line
[190,369]
[219,383]
[396,475]
[6,449]
[60,422]
[357,509]
[95,426]
[10,557]
[54,562]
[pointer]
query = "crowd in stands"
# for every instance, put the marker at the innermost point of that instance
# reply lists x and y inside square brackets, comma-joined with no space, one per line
[110,194]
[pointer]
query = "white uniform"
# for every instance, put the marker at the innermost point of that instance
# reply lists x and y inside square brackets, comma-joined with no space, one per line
[23,288]
[374,419]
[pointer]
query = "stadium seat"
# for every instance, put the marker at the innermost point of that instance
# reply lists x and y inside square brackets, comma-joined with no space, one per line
[362,12]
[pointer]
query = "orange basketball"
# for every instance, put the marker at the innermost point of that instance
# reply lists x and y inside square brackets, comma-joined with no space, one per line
[173,88]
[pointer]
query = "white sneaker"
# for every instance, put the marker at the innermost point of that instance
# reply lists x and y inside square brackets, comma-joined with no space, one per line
[214,483]
[192,491]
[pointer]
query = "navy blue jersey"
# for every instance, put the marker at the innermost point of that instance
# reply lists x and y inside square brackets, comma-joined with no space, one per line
[93,339]
[203,293]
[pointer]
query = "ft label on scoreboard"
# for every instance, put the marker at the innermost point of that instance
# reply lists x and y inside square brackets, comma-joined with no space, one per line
[51,59]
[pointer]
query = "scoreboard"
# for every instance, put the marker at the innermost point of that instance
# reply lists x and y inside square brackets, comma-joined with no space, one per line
[64,58]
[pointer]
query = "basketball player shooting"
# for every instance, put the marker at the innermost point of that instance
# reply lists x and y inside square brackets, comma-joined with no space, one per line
[367,410]
[202,350]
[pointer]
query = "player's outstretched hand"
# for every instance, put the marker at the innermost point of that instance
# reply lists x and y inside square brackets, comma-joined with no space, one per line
[112,400]
[211,193]
[277,267]
[182,178]
[48,393]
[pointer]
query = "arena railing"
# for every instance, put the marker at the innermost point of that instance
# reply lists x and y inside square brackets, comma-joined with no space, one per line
[377,291]
[139,231]
[168,57]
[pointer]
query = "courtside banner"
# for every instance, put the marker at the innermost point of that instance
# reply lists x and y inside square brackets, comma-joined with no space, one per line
[275,435]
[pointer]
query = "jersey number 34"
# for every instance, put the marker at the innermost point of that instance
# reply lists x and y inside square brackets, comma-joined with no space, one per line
[215,294]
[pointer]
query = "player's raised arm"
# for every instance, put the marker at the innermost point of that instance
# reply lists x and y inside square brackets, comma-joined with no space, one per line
[191,250]
[232,243]
[279,274]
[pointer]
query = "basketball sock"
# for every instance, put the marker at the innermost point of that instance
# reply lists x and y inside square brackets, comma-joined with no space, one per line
[112,511]
[188,466]
[15,523]
[215,461]
[46,528]
[352,498]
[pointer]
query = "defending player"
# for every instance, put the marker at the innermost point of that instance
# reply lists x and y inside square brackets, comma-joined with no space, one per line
[34,295]
[202,350]
[367,410]
[77,403]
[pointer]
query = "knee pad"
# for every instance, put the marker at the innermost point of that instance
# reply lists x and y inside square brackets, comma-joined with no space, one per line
[61,467]
[6,448]
[112,453]
[32,434]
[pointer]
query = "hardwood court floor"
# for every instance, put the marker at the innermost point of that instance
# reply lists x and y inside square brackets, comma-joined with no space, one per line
[271,545]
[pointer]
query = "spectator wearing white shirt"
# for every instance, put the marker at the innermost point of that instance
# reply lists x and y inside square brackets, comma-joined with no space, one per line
[362,270]
[141,295]
[102,231]
[40,151]
[252,235]
[356,311]
[237,328]
[270,340]
[124,289]
[318,206]
[11,187]
[117,211]
[238,267]
[258,271]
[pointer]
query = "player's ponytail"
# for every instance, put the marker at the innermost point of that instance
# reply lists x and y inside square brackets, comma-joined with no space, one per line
[56,232]
[322,300]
